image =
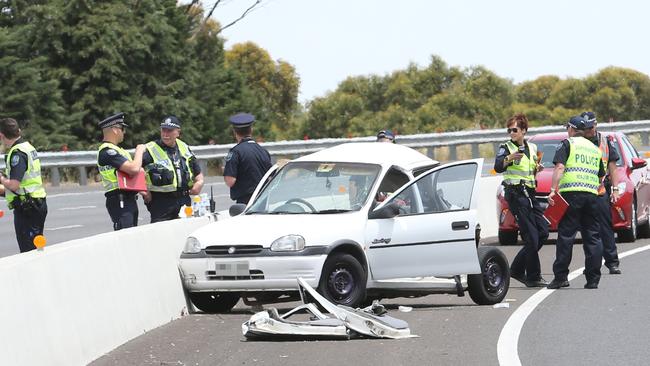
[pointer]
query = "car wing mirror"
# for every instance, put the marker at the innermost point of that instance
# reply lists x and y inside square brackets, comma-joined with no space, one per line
[638,163]
[236,209]
[385,212]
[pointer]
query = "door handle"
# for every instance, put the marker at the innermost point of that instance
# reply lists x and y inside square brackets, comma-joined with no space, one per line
[460,225]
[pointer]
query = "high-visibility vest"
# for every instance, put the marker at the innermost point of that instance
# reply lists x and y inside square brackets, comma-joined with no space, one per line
[524,170]
[108,172]
[604,149]
[32,183]
[582,167]
[161,158]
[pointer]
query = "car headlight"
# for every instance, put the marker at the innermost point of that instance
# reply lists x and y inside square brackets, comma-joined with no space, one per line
[192,245]
[288,243]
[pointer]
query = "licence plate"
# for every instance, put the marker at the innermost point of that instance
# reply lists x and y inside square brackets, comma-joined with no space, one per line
[231,269]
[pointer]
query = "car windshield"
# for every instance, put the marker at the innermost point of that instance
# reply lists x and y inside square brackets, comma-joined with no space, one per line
[548,147]
[316,188]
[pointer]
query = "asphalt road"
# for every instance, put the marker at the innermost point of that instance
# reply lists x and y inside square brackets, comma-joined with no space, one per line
[76,212]
[572,326]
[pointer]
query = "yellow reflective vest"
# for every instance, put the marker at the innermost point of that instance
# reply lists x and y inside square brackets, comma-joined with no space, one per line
[524,170]
[582,167]
[32,183]
[161,158]
[108,172]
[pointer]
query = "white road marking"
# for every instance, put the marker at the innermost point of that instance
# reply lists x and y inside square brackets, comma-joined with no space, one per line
[75,208]
[509,338]
[63,227]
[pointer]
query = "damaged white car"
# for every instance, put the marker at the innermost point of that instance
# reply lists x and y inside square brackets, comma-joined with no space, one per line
[358,221]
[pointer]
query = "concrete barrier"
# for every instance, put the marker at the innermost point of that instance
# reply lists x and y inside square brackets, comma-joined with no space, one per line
[73,302]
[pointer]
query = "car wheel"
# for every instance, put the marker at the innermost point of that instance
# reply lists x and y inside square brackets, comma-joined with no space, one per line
[629,235]
[491,286]
[508,237]
[343,280]
[214,302]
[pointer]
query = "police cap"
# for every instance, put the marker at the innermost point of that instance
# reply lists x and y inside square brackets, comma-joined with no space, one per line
[589,116]
[580,123]
[116,119]
[170,122]
[386,134]
[240,120]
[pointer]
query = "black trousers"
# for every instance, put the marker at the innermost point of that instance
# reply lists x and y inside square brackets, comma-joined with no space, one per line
[124,214]
[534,230]
[610,254]
[28,224]
[582,215]
[165,206]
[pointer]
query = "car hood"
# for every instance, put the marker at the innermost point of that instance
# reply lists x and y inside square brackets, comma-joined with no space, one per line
[264,229]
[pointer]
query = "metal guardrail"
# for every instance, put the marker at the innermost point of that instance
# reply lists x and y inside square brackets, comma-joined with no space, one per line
[431,141]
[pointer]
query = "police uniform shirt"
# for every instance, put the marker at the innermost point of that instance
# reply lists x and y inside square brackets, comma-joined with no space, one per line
[613,152]
[175,155]
[18,162]
[562,154]
[110,156]
[503,152]
[248,162]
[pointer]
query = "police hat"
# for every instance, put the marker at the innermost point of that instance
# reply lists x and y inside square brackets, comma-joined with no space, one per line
[240,120]
[580,123]
[170,122]
[386,134]
[589,116]
[116,119]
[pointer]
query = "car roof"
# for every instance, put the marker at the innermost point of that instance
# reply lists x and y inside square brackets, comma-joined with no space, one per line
[381,153]
[561,136]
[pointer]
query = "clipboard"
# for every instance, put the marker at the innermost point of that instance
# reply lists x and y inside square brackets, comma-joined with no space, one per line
[555,213]
[136,183]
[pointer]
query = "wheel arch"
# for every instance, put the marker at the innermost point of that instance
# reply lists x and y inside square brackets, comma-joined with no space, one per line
[350,247]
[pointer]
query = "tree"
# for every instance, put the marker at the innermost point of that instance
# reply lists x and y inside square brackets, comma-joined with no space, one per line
[536,91]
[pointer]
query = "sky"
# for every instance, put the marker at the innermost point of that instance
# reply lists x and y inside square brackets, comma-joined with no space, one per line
[330,40]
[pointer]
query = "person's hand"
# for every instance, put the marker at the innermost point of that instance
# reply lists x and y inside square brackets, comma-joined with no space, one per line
[195,190]
[140,148]
[550,198]
[615,196]
[146,196]
[539,168]
[515,156]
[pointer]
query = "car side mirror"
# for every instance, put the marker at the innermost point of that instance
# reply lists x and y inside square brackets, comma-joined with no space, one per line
[386,212]
[638,163]
[236,209]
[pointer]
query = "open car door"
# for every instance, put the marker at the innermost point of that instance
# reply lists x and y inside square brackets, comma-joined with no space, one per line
[434,232]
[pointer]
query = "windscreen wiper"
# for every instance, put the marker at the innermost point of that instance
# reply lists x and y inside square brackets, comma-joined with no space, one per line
[332,210]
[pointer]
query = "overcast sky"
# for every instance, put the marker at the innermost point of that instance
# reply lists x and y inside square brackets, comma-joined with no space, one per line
[329,40]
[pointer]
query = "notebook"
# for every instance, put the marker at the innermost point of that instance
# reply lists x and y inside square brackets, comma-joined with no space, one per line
[129,183]
[554,213]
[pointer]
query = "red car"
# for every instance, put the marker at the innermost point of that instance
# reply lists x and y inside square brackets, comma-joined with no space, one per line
[630,214]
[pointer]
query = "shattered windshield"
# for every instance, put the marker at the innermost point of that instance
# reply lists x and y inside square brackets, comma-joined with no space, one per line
[316,188]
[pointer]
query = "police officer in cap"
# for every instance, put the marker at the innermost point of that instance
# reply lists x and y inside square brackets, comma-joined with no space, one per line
[607,193]
[386,136]
[518,161]
[173,173]
[121,205]
[578,168]
[23,185]
[246,162]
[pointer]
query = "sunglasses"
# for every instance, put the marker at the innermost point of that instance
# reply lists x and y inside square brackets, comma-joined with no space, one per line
[514,129]
[120,127]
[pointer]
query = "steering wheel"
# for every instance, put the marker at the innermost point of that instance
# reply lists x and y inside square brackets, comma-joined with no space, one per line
[300,200]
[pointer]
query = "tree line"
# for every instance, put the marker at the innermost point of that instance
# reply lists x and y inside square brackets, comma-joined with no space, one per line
[67,64]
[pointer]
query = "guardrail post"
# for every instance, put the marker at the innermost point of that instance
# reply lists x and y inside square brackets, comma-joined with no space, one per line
[644,139]
[475,153]
[56,178]
[431,152]
[83,177]
[452,153]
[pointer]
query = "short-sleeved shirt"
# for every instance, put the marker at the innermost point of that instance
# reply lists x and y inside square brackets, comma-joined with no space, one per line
[18,162]
[110,156]
[175,155]
[248,162]
[562,154]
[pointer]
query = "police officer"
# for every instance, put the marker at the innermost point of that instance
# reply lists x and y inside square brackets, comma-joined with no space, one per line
[121,205]
[23,185]
[518,161]
[386,136]
[246,162]
[578,168]
[607,192]
[173,173]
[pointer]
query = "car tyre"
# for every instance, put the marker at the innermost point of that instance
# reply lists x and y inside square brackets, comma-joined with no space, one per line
[508,237]
[491,286]
[214,302]
[630,235]
[343,280]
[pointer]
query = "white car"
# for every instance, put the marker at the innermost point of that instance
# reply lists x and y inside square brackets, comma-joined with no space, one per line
[358,221]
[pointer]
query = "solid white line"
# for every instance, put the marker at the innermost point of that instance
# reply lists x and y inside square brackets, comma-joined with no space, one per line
[508,343]
[75,208]
[63,227]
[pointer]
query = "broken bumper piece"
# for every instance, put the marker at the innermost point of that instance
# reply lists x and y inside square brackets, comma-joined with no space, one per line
[341,324]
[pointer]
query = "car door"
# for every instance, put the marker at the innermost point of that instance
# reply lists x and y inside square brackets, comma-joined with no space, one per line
[434,233]
[638,176]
